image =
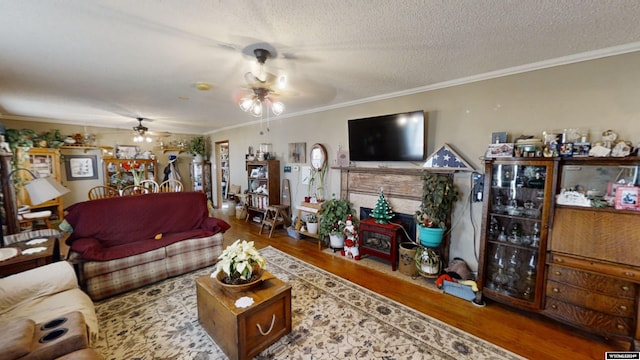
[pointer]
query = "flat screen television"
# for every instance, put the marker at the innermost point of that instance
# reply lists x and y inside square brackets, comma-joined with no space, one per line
[394,137]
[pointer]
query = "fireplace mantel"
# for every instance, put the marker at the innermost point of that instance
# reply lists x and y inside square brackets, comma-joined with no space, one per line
[402,188]
[401,183]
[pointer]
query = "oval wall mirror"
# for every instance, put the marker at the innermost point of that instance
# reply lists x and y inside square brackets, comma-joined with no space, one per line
[318,156]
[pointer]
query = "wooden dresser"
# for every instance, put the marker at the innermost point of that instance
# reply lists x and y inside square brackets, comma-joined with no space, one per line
[593,275]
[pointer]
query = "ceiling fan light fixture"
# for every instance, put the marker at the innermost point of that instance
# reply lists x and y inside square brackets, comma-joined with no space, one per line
[246,104]
[277,108]
[256,109]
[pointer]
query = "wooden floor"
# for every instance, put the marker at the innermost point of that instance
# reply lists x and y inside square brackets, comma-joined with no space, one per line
[531,336]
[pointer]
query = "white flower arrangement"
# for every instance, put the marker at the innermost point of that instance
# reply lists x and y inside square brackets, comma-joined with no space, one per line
[239,261]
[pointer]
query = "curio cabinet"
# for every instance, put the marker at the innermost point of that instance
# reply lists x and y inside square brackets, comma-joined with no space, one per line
[517,203]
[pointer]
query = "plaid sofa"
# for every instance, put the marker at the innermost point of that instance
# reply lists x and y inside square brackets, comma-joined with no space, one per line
[119,244]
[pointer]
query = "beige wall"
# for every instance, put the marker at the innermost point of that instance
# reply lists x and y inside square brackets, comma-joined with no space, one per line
[599,95]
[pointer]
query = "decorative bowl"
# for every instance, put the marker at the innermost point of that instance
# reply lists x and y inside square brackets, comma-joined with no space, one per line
[239,287]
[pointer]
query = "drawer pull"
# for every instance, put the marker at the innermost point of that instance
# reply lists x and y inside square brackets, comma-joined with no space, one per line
[273,321]
[629,274]
[622,307]
[625,288]
[620,327]
[556,290]
[554,306]
[558,260]
[558,273]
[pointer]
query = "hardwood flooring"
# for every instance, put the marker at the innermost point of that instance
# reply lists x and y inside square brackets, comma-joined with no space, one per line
[529,335]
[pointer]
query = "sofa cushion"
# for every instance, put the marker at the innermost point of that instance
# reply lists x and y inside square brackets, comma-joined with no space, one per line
[17,338]
[94,268]
[119,281]
[93,249]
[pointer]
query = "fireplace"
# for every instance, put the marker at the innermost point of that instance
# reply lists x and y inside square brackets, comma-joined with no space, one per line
[405,220]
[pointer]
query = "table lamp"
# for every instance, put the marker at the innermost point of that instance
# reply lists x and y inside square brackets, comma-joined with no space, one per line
[40,190]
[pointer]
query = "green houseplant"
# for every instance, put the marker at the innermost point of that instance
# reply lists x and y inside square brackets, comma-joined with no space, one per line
[312,223]
[333,216]
[439,194]
[197,147]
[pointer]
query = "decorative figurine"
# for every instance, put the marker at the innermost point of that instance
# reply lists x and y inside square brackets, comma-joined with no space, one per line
[351,240]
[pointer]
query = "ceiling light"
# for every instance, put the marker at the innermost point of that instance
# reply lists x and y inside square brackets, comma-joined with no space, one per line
[203,86]
[254,104]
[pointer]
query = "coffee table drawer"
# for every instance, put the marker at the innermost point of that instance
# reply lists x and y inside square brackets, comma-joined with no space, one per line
[267,323]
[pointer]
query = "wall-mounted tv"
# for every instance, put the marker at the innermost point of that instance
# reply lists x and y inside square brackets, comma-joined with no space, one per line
[395,137]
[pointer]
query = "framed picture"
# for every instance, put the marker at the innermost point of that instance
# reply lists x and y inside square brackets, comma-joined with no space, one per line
[500,150]
[627,198]
[298,152]
[126,151]
[499,137]
[81,167]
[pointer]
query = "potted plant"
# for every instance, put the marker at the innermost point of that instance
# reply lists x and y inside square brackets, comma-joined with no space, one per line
[438,196]
[312,223]
[197,148]
[240,263]
[333,217]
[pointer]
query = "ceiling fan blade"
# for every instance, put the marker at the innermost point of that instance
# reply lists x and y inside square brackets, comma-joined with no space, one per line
[267,80]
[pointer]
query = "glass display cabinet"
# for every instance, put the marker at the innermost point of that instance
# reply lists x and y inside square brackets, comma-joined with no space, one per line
[518,197]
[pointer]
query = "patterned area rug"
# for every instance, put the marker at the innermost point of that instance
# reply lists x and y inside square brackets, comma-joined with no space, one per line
[332,319]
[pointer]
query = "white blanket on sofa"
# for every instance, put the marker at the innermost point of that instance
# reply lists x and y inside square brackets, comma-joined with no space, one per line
[44,293]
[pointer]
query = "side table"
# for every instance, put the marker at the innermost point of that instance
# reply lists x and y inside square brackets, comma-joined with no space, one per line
[380,240]
[242,333]
[23,261]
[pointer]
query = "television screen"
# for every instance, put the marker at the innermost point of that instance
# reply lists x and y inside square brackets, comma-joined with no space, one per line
[396,137]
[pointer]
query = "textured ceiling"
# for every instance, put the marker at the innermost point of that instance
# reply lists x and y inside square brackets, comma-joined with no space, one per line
[103,63]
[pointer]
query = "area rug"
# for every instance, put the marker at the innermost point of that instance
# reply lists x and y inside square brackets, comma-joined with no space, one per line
[332,319]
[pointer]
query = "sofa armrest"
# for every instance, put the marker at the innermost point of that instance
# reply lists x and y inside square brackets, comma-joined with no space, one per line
[214,224]
[41,281]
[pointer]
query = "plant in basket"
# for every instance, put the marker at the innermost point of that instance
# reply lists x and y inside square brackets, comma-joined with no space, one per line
[240,263]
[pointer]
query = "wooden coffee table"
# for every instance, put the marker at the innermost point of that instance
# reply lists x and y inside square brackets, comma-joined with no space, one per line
[242,333]
[24,261]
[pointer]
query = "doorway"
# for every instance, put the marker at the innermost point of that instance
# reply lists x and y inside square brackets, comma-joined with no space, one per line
[223,177]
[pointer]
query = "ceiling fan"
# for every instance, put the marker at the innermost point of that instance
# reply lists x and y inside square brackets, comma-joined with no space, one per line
[142,132]
[263,88]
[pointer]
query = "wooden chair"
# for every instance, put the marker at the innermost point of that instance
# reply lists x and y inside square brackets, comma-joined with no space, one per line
[150,185]
[171,185]
[102,192]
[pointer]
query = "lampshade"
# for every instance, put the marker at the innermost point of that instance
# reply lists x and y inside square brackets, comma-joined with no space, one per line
[44,189]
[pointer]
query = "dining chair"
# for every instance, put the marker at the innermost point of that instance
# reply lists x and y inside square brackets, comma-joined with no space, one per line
[171,185]
[102,192]
[150,186]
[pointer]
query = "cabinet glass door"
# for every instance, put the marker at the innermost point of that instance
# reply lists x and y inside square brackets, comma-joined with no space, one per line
[515,230]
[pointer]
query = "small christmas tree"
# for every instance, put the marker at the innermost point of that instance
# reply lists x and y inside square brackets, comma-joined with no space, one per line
[382,213]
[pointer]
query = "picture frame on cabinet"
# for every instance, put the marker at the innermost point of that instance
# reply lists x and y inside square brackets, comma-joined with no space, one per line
[627,198]
[500,150]
[499,137]
[127,151]
[81,167]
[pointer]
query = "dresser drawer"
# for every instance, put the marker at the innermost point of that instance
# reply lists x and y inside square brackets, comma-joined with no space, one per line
[585,298]
[623,272]
[267,323]
[591,281]
[589,320]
